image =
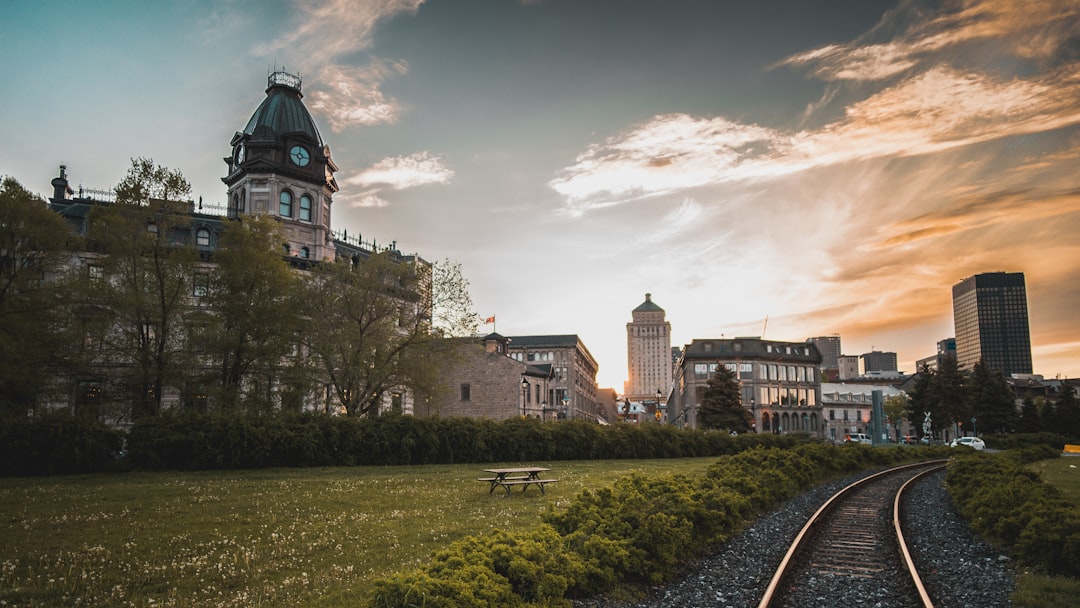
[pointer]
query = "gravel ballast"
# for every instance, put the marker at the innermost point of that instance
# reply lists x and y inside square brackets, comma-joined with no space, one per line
[959,570]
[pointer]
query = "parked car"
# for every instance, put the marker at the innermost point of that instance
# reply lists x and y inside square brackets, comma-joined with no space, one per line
[857,438]
[909,440]
[971,442]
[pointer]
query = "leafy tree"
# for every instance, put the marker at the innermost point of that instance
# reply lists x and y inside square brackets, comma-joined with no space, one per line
[34,244]
[452,313]
[721,404]
[145,237]
[251,293]
[993,401]
[952,398]
[922,398]
[373,329]
[897,408]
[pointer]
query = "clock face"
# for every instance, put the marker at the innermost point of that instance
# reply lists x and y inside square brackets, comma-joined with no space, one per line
[299,155]
[239,154]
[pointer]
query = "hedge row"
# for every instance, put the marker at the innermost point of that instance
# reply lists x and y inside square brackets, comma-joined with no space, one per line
[58,444]
[638,531]
[1011,506]
[1015,441]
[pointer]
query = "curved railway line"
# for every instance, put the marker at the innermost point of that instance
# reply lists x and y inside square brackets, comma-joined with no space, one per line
[854,541]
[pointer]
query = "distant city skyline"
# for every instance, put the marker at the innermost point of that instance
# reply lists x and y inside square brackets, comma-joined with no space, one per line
[832,166]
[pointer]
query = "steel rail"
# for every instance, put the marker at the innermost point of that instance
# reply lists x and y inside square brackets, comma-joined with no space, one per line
[909,563]
[796,545]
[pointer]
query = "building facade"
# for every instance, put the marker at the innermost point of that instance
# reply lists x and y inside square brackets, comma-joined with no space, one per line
[278,166]
[780,382]
[945,348]
[481,380]
[572,390]
[829,347]
[648,352]
[846,409]
[877,361]
[990,314]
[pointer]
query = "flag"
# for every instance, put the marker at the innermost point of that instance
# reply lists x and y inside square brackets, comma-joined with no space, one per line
[489,320]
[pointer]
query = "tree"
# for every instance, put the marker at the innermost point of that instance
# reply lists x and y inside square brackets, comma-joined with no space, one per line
[721,405]
[371,329]
[452,313]
[922,398]
[952,399]
[251,293]
[34,245]
[993,401]
[897,408]
[1029,416]
[148,260]
[1065,416]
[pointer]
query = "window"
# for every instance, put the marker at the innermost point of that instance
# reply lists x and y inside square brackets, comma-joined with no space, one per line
[200,285]
[305,208]
[202,237]
[95,273]
[305,253]
[152,228]
[466,389]
[285,204]
[285,248]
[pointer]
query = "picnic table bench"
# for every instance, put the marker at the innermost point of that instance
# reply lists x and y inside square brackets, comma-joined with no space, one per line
[516,476]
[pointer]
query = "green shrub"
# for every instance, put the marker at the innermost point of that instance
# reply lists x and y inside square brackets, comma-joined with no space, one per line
[1010,505]
[57,444]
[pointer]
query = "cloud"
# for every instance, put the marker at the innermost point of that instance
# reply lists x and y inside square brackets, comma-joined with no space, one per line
[349,96]
[328,29]
[931,112]
[1029,29]
[396,173]
[401,172]
[325,34]
[979,212]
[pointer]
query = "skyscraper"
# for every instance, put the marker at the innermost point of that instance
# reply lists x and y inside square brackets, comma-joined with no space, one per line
[648,351]
[991,318]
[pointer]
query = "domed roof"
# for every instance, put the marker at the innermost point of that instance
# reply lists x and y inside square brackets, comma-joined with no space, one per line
[283,112]
[648,305]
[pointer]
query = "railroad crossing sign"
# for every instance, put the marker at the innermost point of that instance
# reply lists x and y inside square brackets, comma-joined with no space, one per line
[926,424]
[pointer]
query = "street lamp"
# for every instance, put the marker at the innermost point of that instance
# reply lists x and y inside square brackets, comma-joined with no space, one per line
[524,391]
[658,395]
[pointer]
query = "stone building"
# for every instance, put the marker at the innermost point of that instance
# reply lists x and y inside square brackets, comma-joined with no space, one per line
[572,392]
[780,382]
[278,166]
[846,409]
[481,380]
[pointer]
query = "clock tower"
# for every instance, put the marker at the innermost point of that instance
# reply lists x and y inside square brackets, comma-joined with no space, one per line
[279,166]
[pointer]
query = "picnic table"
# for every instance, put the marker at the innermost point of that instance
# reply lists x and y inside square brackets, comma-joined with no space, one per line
[516,476]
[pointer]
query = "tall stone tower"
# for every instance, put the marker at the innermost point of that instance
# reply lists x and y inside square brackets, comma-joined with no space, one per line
[279,166]
[648,349]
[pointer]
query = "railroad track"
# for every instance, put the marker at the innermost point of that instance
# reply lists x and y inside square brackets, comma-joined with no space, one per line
[853,542]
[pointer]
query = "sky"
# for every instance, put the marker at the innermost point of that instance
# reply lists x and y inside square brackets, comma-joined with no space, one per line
[782,168]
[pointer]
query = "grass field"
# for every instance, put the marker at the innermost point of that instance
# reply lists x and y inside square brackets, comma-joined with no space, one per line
[283,537]
[1062,473]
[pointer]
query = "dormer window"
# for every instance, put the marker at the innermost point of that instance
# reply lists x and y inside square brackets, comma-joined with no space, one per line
[202,237]
[285,204]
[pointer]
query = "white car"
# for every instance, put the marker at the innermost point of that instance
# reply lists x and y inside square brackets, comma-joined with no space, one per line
[971,442]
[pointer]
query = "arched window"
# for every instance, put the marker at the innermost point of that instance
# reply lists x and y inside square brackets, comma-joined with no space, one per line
[285,204]
[285,248]
[305,208]
[304,253]
[202,237]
